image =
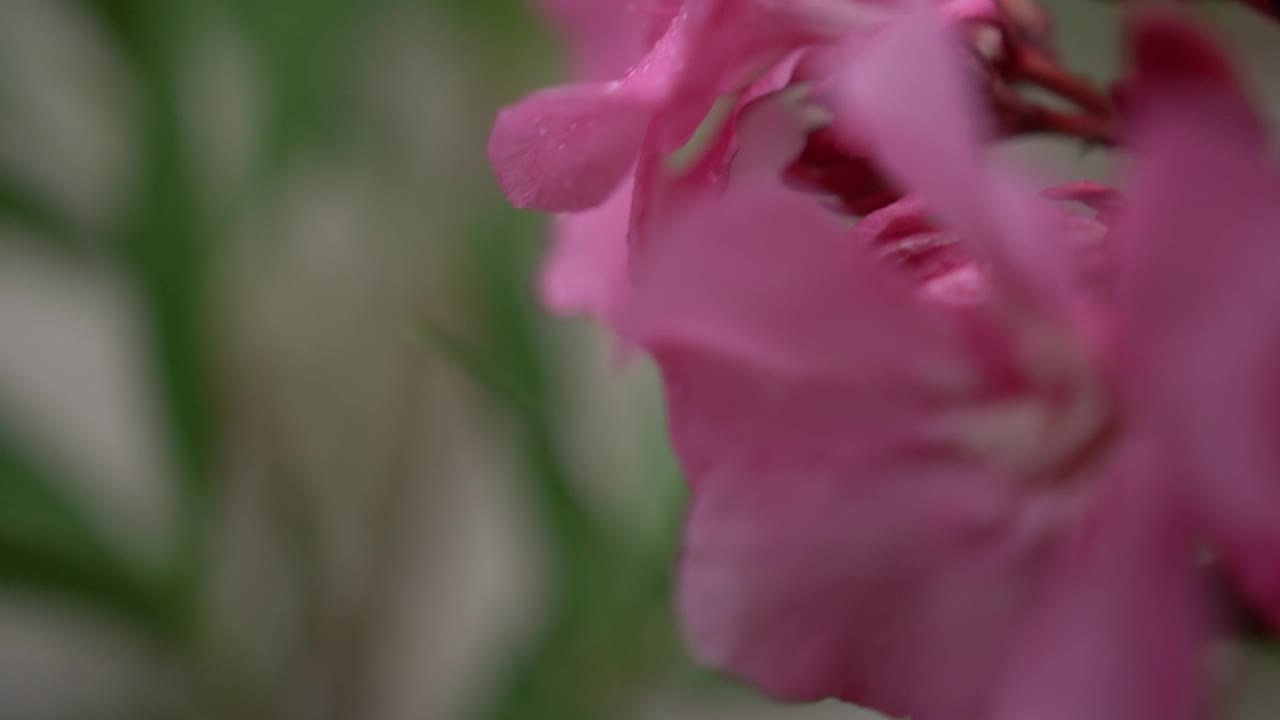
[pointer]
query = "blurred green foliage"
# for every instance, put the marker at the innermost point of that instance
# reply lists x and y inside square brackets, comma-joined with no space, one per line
[608,633]
[48,542]
[609,636]
[25,208]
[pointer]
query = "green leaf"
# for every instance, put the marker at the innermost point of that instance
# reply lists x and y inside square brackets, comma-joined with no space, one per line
[503,256]
[480,367]
[90,579]
[49,544]
[163,240]
[612,592]
[165,244]
[305,50]
[510,20]
[512,360]
[31,503]
[144,31]
[24,208]
[578,669]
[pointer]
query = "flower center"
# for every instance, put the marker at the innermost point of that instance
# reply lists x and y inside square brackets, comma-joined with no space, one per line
[1054,427]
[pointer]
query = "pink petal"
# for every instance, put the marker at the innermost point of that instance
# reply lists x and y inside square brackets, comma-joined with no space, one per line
[609,36]
[911,99]
[730,43]
[1203,240]
[972,10]
[771,132]
[905,235]
[1122,633]
[662,190]
[569,147]
[586,269]
[767,274]
[833,547]
[867,573]
[766,277]
[739,38]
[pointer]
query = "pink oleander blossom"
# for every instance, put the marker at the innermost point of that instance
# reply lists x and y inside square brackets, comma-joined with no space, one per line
[599,151]
[587,268]
[965,462]
[572,148]
[568,148]
[579,148]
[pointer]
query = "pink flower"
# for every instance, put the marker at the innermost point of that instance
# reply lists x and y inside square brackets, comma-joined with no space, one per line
[955,474]
[587,269]
[568,148]
[575,148]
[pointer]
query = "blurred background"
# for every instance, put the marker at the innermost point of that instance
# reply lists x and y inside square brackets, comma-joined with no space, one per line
[283,431]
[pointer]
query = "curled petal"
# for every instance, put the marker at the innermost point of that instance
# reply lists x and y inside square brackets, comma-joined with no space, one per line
[586,271]
[766,274]
[770,134]
[912,102]
[568,148]
[1201,239]
[905,235]
[758,130]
